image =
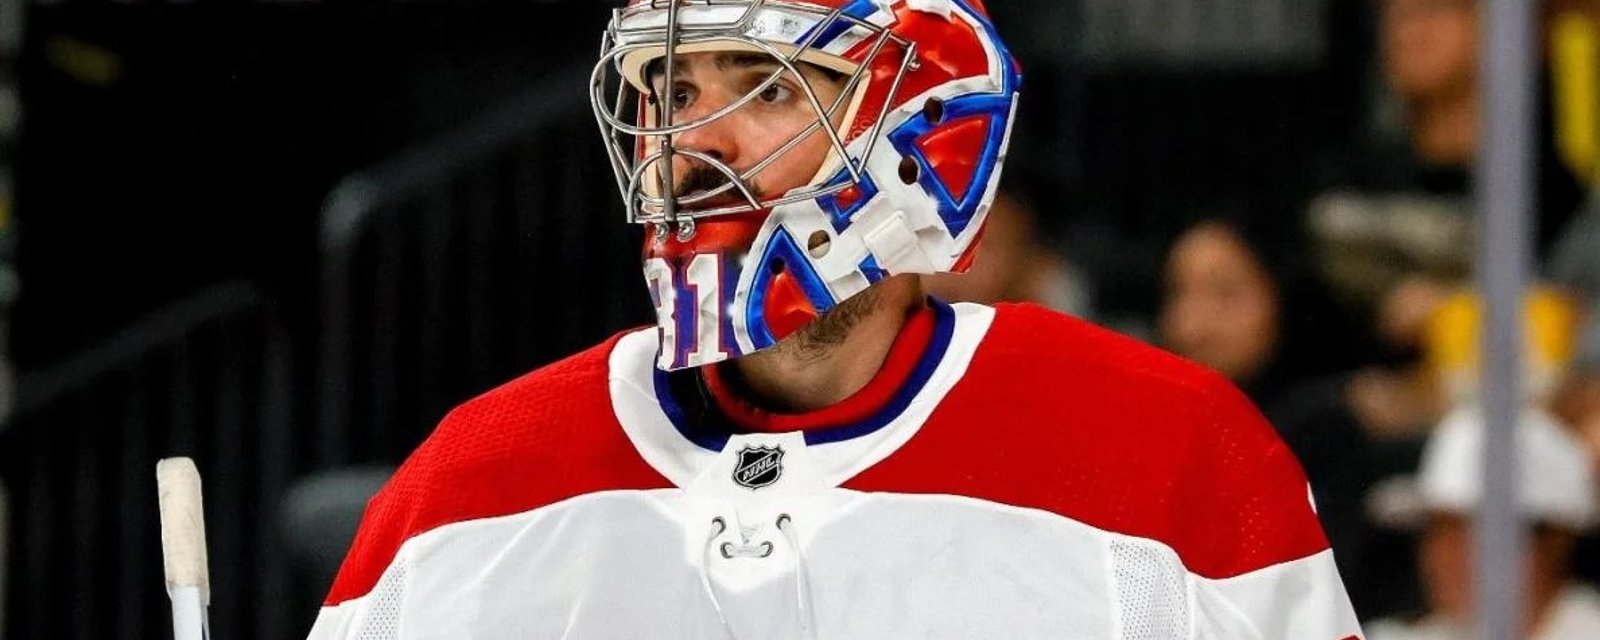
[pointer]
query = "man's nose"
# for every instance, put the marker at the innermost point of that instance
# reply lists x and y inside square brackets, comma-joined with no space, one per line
[716,138]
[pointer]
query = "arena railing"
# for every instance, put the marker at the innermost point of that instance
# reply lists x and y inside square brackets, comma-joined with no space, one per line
[464,262]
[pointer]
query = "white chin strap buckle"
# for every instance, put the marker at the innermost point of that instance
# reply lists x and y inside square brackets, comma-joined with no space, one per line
[896,248]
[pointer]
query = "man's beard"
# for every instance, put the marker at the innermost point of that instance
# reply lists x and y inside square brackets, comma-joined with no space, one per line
[830,329]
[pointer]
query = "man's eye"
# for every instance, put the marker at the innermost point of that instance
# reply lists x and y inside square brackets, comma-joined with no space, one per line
[681,96]
[775,94]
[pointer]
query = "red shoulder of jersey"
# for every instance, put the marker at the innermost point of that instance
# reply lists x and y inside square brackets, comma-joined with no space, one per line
[1057,414]
[540,439]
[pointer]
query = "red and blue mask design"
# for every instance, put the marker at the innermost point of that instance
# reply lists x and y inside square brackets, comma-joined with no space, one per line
[926,112]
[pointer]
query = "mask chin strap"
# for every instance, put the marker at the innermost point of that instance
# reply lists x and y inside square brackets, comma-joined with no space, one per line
[894,244]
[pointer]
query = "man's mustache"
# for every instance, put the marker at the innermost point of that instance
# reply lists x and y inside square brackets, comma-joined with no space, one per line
[699,177]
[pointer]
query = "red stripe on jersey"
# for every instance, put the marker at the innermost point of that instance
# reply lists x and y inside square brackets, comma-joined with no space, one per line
[542,438]
[1056,414]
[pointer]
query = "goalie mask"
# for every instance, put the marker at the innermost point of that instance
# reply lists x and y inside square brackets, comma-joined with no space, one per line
[904,146]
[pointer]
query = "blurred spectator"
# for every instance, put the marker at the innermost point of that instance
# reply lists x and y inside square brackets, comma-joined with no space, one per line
[1452,346]
[1015,263]
[1576,265]
[1222,306]
[1579,405]
[1429,53]
[1394,228]
[1239,299]
[1557,499]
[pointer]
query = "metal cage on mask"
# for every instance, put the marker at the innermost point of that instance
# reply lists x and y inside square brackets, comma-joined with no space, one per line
[642,140]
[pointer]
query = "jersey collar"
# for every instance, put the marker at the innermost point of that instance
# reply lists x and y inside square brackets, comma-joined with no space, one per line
[918,348]
[679,443]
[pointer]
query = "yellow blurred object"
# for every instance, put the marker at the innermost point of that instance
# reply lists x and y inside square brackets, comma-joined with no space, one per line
[1575,76]
[1453,342]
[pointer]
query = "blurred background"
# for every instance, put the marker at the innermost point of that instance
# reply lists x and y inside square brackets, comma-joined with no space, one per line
[286,237]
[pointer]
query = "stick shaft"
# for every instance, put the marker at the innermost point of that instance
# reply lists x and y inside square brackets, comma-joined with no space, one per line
[188,614]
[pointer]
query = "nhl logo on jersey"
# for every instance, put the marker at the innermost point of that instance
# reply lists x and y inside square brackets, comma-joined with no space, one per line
[758,467]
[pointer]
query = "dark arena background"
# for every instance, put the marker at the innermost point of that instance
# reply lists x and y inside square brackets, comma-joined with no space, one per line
[285,238]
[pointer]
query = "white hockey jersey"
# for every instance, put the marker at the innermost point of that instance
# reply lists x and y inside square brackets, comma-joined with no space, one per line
[1031,476]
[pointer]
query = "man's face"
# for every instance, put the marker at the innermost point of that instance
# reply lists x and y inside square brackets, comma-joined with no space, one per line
[707,82]
[1430,47]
